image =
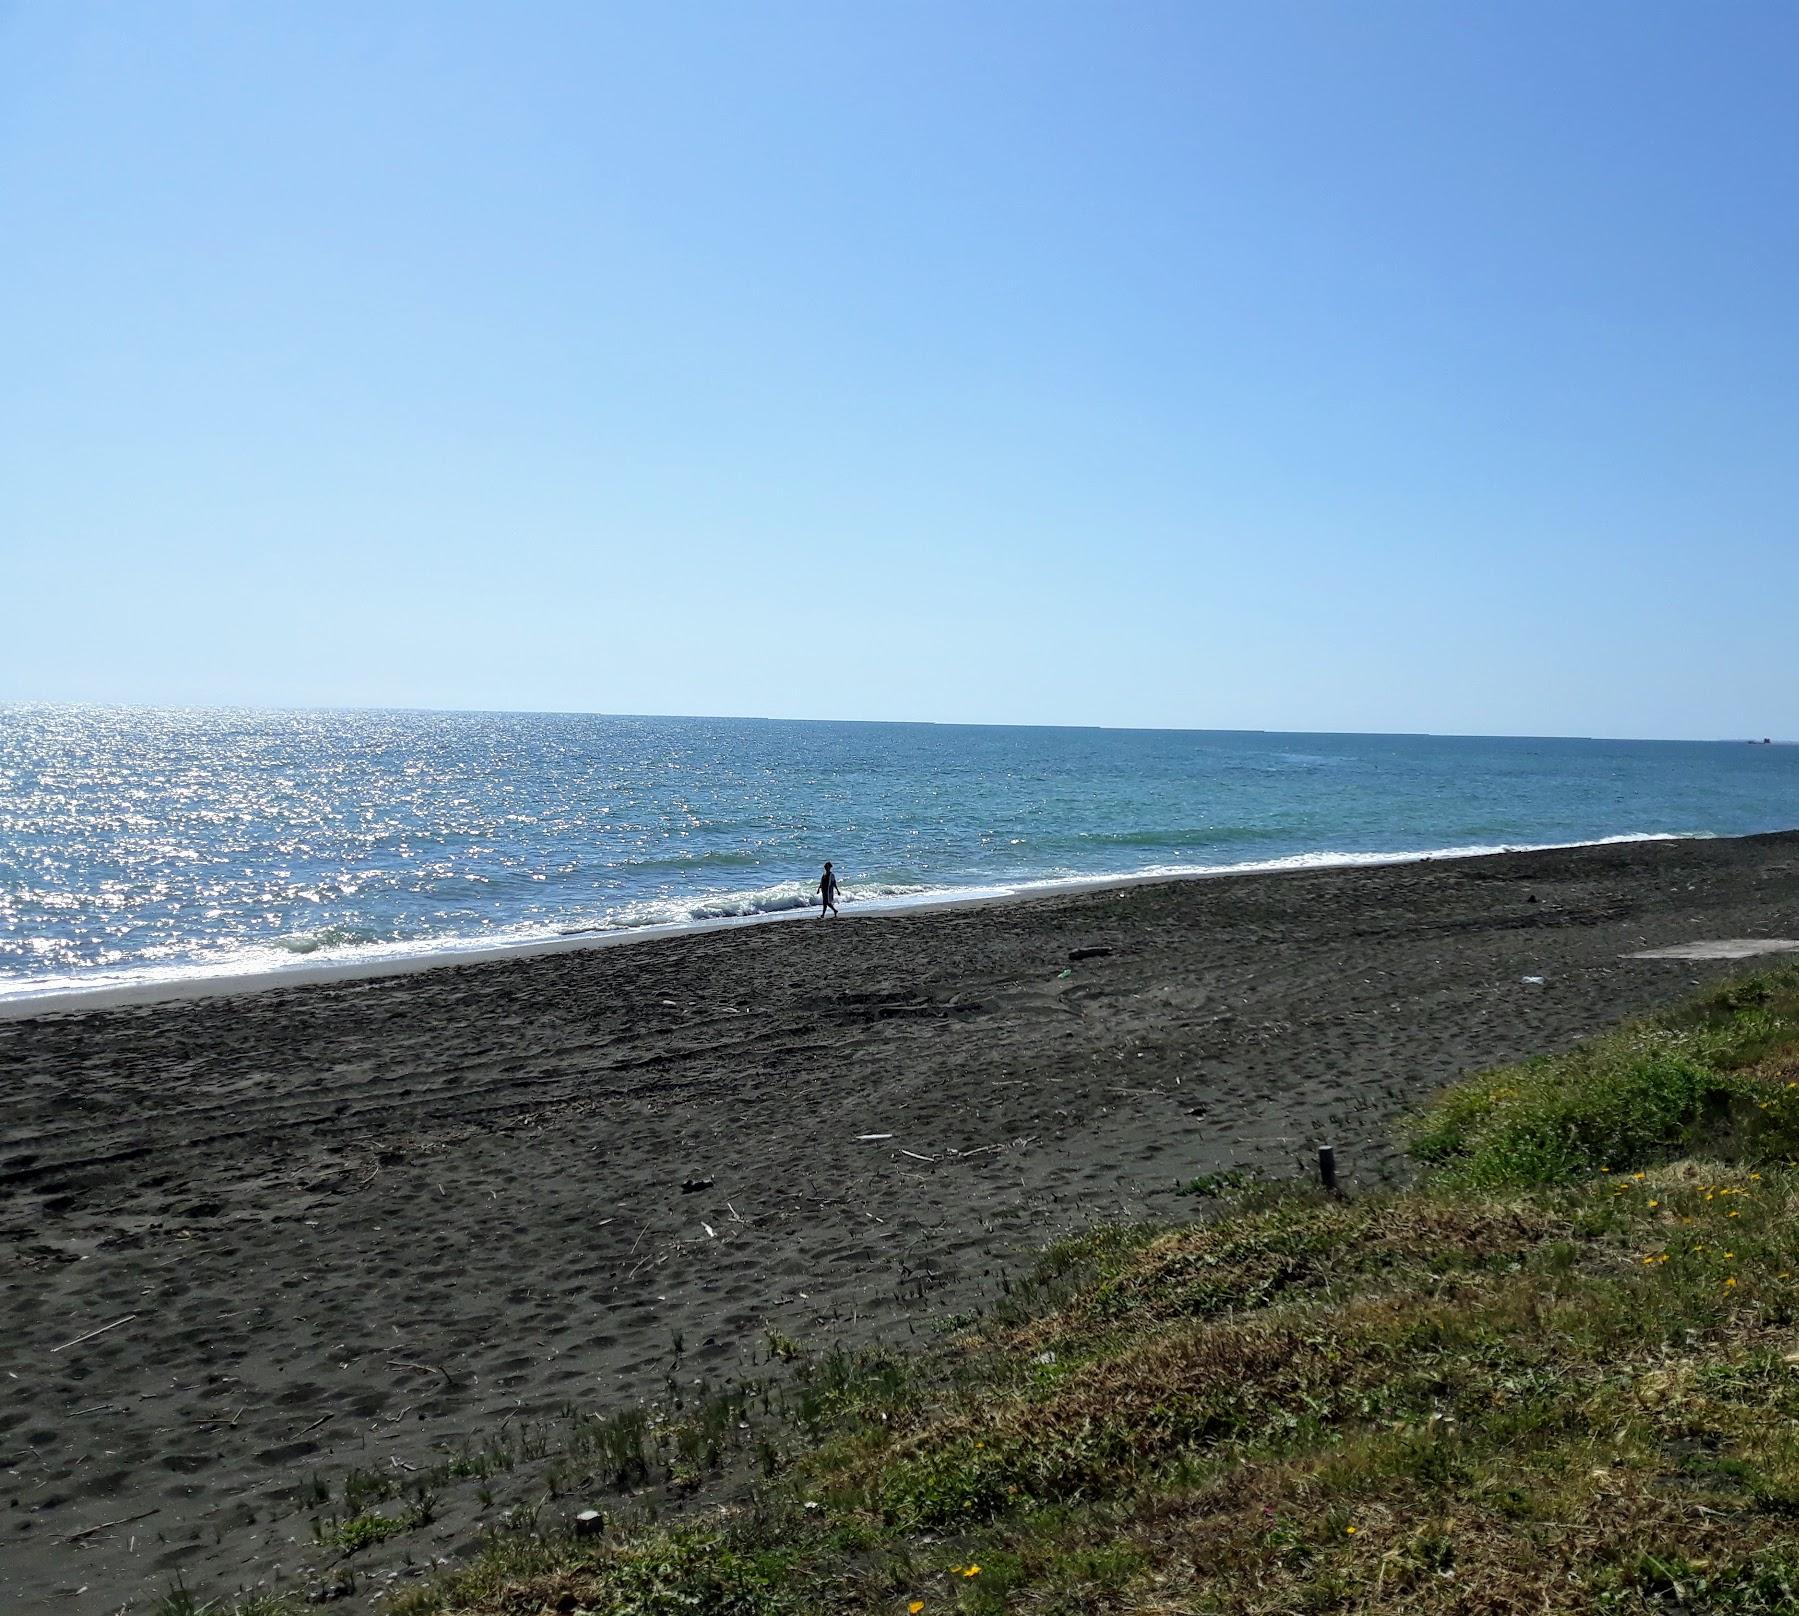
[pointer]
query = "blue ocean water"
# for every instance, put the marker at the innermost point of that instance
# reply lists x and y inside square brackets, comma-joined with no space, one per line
[143,845]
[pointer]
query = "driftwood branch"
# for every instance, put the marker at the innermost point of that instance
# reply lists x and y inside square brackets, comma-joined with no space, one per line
[107,1526]
[92,1333]
[423,1368]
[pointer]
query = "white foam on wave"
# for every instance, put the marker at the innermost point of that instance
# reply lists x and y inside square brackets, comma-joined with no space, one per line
[781,898]
[322,955]
[1341,860]
[1324,860]
[313,942]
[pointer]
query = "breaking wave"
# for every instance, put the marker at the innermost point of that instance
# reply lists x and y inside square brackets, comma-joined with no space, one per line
[781,898]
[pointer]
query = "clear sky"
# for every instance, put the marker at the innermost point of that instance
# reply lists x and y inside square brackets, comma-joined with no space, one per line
[1397,366]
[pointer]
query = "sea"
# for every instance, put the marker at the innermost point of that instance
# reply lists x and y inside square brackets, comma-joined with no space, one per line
[147,846]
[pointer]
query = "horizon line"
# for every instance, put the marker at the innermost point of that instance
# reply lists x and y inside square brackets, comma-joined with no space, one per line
[934,723]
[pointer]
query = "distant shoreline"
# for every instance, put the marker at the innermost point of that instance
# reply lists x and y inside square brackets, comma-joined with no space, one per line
[403,961]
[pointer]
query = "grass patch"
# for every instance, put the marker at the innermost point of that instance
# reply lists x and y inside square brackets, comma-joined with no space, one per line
[1214,1186]
[1561,1374]
[1646,1093]
[364,1530]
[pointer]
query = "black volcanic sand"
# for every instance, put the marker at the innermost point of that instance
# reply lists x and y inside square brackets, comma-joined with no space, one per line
[360,1222]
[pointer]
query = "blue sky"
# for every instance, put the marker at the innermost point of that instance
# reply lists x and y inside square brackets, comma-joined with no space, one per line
[1309,366]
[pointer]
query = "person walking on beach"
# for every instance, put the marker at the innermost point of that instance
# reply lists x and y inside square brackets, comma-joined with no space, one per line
[827,892]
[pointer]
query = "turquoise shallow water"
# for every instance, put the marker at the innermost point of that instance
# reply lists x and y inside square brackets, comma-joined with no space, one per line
[142,845]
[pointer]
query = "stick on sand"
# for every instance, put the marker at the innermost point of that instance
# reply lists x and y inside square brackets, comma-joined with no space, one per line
[92,1333]
[123,1520]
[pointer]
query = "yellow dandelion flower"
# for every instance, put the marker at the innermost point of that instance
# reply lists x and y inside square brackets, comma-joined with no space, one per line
[1655,1203]
[915,1607]
[1730,1282]
[972,1571]
[1349,1531]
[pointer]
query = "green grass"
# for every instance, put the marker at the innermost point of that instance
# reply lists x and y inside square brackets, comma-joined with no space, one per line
[1232,1181]
[363,1530]
[1560,1374]
[1645,1093]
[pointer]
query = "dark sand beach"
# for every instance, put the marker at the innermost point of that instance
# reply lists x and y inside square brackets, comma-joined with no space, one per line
[361,1223]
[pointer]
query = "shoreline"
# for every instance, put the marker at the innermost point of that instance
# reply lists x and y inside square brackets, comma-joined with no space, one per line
[255,1246]
[304,972]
